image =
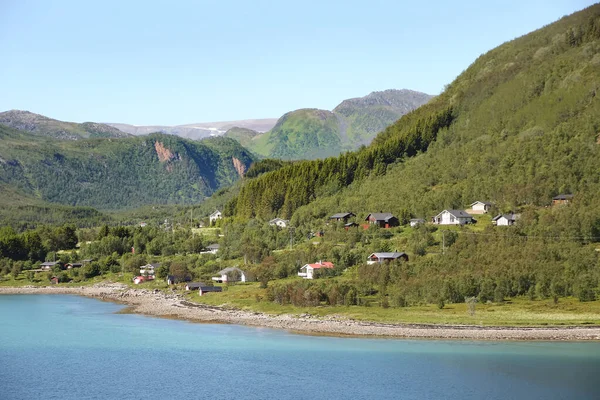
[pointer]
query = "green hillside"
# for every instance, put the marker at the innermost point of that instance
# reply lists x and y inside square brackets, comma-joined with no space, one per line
[242,135]
[48,127]
[520,125]
[129,172]
[312,133]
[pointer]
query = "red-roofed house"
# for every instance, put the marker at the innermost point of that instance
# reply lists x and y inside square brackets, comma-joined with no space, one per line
[307,270]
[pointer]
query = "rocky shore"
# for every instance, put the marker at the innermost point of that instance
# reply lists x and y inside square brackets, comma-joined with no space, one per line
[173,305]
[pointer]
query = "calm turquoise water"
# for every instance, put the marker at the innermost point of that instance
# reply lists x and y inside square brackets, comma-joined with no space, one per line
[69,347]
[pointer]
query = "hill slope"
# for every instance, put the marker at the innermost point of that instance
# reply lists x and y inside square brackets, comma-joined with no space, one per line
[44,126]
[314,133]
[520,125]
[129,172]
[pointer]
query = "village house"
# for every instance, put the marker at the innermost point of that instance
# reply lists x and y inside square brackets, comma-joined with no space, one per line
[211,249]
[194,285]
[149,270]
[562,199]
[378,258]
[344,216]
[505,219]
[416,221]
[453,217]
[481,207]
[48,265]
[282,223]
[173,279]
[78,264]
[231,274]
[383,220]
[350,225]
[208,289]
[307,270]
[215,216]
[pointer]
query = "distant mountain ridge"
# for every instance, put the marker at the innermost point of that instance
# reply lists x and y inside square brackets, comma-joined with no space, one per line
[48,127]
[199,130]
[313,133]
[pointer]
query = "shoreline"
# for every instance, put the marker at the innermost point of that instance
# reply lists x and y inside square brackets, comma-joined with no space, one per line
[159,304]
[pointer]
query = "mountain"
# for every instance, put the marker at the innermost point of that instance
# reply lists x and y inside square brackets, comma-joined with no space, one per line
[199,130]
[314,133]
[519,126]
[242,135]
[110,174]
[44,126]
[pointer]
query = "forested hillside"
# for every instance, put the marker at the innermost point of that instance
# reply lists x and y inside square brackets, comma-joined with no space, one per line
[110,173]
[44,126]
[519,126]
[313,133]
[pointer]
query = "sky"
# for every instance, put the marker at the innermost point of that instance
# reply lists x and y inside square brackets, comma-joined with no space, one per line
[179,62]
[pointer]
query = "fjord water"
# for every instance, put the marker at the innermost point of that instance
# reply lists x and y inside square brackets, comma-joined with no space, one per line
[70,347]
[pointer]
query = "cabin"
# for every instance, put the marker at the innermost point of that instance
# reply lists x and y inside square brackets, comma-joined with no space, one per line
[173,279]
[378,258]
[54,280]
[194,285]
[382,220]
[215,216]
[307,270]
[208,289]
[231,274]
[344,216]
[505,219]
[416,222]
[562,199]
[481,207]
[211,249]
[453,217]
[49,265]
[149,269]
[282,223]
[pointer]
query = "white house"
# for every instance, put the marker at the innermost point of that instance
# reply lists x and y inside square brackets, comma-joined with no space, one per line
[505,219]
[378,258]
[416,221]
[480,207]
[215,216]
[149,270]
[282,223]
[229,275]
[453,217]
[211,249]
[307,270]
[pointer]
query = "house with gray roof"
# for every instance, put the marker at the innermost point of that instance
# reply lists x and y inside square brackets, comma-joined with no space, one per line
[505,219]
[453,217]
[231,274]
[343,216]
[383,220]
[378,258]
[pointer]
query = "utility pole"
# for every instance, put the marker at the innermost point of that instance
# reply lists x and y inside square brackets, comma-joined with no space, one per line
[443,242]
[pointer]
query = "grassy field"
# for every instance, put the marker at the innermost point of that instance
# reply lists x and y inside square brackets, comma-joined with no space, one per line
[515,312]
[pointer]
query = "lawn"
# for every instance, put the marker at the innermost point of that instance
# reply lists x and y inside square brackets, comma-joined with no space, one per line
[515,312]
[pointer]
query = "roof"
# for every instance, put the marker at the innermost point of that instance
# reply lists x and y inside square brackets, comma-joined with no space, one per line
[275,220]
[487,203]
[320,264]
[341,215]
[215,213]
[417,220]
[211,288]
[563,197]
[510,217]
[195,285]
[230,269]
[155,265]
[458,213]
[380,216]
[214,246]
[49,264]
[392,255]
[351,224]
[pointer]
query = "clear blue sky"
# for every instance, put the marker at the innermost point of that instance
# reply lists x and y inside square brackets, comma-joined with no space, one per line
[175,62]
